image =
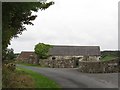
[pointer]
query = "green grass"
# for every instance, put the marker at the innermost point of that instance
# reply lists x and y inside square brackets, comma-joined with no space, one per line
[40,80]
[27,64]
[109,55]
[107,58]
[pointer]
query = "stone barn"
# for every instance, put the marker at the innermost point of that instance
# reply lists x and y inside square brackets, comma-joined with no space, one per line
[70,56]
[64,56]
[29,57]
[91,53]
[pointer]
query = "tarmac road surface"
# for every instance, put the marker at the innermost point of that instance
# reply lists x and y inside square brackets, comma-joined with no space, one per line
[71,78]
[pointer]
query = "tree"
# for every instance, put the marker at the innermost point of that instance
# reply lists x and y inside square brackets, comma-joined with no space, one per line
[42,50]
[14,16]
[10,54]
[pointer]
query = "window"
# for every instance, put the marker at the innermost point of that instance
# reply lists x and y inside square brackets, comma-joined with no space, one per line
[53,58]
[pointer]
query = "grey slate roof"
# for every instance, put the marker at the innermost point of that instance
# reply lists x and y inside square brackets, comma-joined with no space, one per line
[75,50]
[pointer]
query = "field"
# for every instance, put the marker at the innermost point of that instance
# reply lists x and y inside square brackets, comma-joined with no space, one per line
[109,55]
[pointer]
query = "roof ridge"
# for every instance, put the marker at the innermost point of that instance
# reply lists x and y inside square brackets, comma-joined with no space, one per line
[27,51]
[76,46]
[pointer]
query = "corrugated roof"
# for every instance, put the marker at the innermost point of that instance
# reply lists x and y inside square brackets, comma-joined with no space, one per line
[74,50]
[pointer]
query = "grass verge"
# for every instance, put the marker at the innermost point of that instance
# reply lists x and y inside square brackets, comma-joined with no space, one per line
[16,79]
[26,64]
[24,78]
[40,80]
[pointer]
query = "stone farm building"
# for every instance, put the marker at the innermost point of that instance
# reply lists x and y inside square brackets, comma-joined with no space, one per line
[27,56]
[81,53]
[92,53]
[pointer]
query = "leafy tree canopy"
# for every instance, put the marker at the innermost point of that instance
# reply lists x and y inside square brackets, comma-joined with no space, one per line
[42,49]
[15,15]
[10,54]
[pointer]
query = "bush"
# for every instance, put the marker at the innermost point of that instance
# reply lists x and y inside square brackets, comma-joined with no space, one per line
[10,66]
[13,78]
[7,73]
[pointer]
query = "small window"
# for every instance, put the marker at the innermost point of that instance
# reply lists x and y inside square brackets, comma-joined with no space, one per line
[53,58]
[79,58]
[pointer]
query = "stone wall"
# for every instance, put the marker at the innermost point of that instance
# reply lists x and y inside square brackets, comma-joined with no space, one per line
[66,61]
[84,66]
[64,57]
[62,63]
[81,58]
[99,66]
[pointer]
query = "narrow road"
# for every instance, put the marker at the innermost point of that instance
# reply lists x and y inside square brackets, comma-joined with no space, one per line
[70,78]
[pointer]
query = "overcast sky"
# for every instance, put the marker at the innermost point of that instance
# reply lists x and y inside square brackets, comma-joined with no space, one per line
[68,22]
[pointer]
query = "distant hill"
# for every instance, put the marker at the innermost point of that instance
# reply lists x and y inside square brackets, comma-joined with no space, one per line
[109,55]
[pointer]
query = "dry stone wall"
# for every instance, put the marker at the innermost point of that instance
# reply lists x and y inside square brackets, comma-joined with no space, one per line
[84,66]
[99,66]
[63,63]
